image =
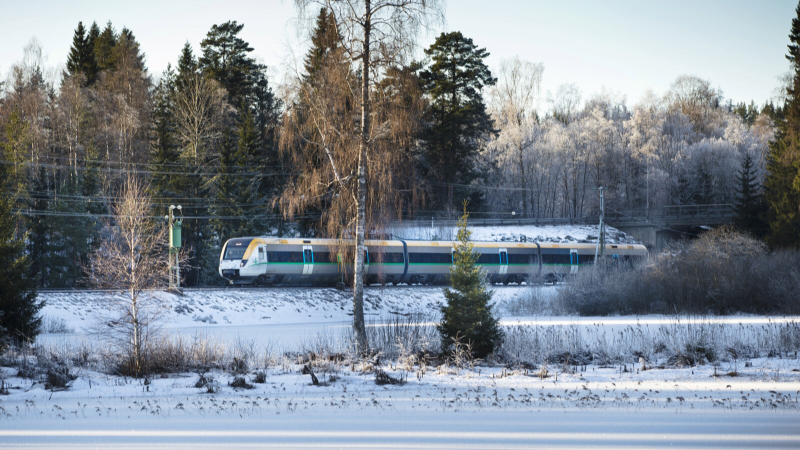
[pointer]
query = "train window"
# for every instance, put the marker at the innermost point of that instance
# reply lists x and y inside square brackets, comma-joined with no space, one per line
[430,258]
[489,258]
[261,255]
[503,257]
[549,258]
[389,258]
[285,257]
[234,252]
[523,258]
[587,259]
[308,258]
[324,257]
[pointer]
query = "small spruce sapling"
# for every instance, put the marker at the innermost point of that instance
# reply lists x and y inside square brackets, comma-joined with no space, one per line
[467,316]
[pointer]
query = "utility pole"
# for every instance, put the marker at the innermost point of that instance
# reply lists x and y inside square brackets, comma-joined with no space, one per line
[601,241]
[175,225]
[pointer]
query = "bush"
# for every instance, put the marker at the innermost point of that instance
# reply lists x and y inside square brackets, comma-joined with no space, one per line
[722,272]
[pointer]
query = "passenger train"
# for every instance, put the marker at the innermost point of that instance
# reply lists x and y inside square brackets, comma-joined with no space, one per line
[271,261]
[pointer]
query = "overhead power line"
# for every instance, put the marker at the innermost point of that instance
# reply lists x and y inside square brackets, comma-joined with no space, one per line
[144,172]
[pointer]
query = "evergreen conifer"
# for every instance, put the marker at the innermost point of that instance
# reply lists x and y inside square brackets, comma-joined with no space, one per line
[467,316]
[19,308]
[458,117]
[104,48]
[81,56]
[783,162]
[749,204]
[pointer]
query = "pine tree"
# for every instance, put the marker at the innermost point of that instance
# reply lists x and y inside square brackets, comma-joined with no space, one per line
[783,162]
[81,56]
[458,118]
[749,204]
[225,59]
[467,316]
[19,308]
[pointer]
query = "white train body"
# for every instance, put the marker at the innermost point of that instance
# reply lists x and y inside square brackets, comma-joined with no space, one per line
[267,261]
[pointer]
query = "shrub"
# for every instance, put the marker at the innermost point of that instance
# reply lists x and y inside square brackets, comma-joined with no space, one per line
[721,272]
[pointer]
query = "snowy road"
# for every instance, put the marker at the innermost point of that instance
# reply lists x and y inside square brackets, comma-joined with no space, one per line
[479,429]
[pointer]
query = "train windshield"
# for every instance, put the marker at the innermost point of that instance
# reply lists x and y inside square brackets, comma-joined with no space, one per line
[234,252]
[236,248]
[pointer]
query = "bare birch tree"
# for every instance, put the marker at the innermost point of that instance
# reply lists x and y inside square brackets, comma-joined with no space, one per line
[200,110]
[131,260]
[377,34]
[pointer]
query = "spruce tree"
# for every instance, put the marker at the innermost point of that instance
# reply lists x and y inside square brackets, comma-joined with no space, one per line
[165,152]
[39,228]
[227,188]
[749,204]
[324,44]
[467,316]
[70,231]
[249,159]
[458,120]
[81,56]
[783,162]
[187,67]
[19,308]
[104,48]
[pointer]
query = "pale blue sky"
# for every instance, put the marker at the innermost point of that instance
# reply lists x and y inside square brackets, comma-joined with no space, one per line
[625,46]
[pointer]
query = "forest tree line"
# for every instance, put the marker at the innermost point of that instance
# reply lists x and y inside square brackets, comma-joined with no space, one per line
[214,134]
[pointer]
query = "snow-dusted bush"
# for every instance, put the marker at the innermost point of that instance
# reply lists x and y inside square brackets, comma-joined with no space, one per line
[55,325]
[722,272]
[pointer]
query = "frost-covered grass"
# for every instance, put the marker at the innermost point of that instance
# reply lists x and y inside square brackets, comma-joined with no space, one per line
[207,389]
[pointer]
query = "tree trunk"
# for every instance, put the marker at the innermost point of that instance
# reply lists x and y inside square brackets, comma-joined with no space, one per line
[358,276]
[523,181]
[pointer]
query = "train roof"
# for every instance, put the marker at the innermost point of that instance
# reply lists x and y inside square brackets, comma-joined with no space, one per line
[410,243]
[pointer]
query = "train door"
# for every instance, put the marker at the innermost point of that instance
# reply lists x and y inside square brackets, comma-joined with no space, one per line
[308,260]
[573,260]
[503,261]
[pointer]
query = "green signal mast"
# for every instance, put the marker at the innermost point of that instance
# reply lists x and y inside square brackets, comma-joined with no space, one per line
[175,225]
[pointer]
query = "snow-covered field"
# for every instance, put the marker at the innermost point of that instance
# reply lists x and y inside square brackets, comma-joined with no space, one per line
[609,402]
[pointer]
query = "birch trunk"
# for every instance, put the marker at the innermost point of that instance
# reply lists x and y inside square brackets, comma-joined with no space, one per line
[358,277]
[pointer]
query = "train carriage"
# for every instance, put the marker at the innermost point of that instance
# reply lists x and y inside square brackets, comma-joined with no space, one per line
[268,261]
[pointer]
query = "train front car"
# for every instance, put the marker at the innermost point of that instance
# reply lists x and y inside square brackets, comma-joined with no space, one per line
[235,262]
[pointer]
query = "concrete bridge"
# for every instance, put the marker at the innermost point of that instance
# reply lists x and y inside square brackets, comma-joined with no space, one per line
[654,229]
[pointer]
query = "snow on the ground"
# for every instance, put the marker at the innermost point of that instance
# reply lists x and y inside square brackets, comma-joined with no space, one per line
[265,306]
[520,233]
[445,408]
[611,406]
